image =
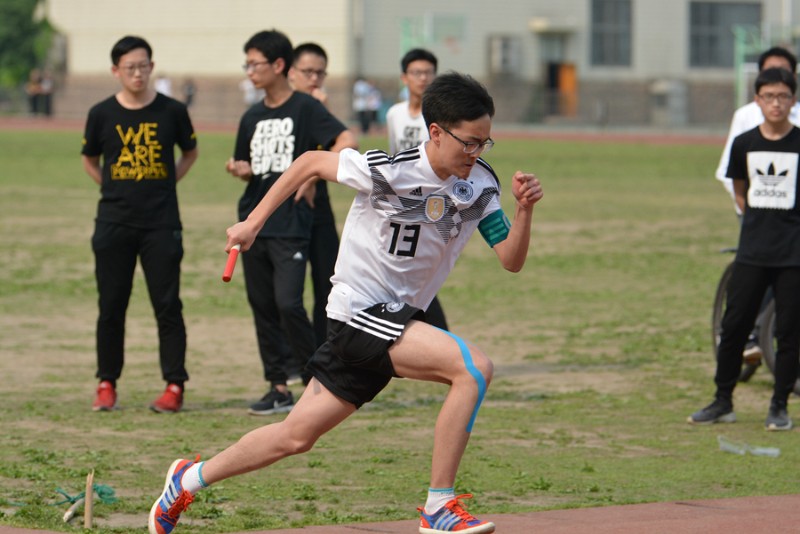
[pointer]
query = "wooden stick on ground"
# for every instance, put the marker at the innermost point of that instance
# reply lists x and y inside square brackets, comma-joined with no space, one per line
[70,513]
[89,503]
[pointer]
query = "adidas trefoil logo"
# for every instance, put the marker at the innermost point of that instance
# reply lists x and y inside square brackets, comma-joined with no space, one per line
[298,256]
[416,192]
[771,178]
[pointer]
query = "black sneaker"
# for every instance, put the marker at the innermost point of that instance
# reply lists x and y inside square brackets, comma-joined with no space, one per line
[273,402]
[778,419]
[718,411]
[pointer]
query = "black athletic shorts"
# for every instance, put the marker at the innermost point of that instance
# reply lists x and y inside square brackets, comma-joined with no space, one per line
[354,362]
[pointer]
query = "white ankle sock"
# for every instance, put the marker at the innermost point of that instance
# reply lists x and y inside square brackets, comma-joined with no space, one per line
[192,480]
[437,498]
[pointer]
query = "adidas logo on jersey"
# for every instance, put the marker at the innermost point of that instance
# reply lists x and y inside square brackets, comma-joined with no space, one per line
[416,192]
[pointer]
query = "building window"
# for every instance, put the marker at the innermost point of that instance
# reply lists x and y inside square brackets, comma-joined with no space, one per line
[711,31]
[505,53]
[611,33]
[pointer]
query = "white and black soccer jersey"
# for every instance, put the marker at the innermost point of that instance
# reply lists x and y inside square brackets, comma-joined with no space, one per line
[770,234]
[406,228]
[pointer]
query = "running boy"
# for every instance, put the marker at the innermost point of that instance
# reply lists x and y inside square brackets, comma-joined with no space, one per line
[764,169]
[410,219]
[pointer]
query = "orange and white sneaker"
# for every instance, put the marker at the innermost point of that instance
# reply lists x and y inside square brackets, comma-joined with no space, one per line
[106,399]
[452,517]
[170,401]
[174,500]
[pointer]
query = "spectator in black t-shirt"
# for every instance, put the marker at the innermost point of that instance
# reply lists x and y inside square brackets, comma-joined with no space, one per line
[307,75]
[764,166]
[128,150]
[272,134]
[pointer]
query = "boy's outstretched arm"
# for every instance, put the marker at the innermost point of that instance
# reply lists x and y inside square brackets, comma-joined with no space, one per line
[310,164]
[513,251]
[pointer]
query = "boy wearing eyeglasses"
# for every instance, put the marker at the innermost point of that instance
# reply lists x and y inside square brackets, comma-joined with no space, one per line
[405,124]
[406,128]
[764,169]
[307,75]
[128,150]
[272,134]
[309,70]
[746,118]
[412,215]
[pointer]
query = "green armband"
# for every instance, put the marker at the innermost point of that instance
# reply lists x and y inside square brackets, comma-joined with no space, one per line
[495,228]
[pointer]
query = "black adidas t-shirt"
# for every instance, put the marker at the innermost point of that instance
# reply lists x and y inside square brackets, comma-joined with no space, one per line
[770,234]
[138,160]
[271,139]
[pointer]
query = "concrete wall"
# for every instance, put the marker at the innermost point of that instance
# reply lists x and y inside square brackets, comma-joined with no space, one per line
[196,37]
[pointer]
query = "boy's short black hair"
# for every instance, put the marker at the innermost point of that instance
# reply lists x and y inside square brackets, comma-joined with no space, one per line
[418,54]
[126,44]
[273,45]
[452,98]
[776,75]
[310,48]
[777,51]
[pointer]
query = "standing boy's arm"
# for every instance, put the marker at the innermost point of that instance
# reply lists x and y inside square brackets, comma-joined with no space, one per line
[187,159]
[740,193]
[513,250]
[91,164]
[320,163]
[345,139]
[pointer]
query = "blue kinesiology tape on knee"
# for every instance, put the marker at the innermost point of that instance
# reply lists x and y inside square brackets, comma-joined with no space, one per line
[477,375]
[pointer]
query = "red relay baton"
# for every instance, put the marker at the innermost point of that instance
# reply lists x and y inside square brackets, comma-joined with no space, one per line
[232,255]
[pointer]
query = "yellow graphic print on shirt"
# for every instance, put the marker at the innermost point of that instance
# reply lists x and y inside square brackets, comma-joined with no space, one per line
[140,157]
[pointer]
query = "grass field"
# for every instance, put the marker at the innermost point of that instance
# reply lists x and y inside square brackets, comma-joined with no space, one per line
[601,345]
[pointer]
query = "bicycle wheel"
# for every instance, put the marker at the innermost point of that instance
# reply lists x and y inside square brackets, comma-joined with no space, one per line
[766,336]
[717,311]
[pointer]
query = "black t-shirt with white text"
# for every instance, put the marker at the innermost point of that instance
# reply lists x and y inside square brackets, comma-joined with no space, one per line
[137,147]
[770,234]
[271,139]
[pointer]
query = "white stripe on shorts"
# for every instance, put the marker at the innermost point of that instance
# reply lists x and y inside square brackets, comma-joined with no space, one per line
[377,327]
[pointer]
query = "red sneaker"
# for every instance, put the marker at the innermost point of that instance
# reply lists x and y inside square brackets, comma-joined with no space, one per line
[170,401]
[106,399]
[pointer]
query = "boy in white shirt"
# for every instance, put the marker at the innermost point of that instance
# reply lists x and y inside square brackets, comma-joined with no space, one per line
[406,128]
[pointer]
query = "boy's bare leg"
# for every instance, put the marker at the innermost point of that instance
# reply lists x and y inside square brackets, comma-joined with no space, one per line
[422,353]
[317,412]
[427,353]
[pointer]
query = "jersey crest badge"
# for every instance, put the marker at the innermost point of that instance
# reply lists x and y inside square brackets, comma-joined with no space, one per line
[394,307]
[462,191]
[434,208]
